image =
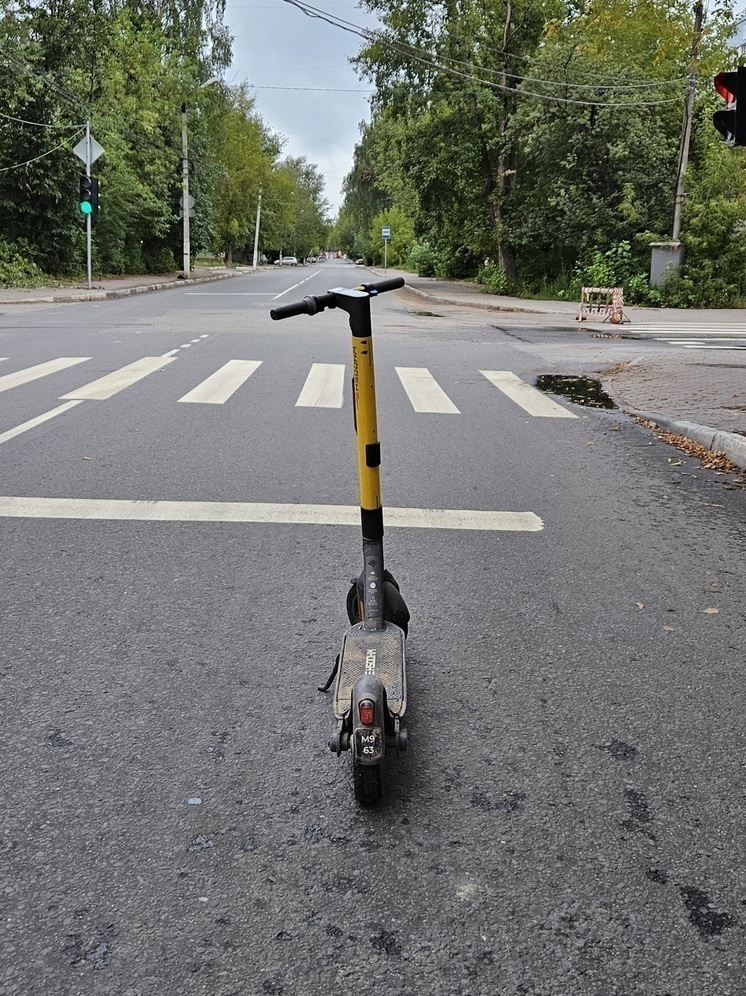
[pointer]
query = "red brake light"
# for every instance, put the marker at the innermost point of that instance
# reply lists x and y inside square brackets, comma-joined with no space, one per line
[367,711]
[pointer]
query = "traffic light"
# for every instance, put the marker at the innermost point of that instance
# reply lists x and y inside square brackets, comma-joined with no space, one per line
[86,194]
[732,123]
[96,202]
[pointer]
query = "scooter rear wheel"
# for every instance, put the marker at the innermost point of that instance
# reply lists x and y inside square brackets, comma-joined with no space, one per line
[368,782]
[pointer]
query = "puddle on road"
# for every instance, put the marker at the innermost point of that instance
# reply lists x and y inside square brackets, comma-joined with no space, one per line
[582,390]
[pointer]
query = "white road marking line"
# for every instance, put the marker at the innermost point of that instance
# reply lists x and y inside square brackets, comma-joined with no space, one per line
[528,397]
[704,345]
[299,284]
[32,423]
[218,387]
[324,387]
[111,384]
[424,392]
[171,352]
[259,512]
[39,370]
[230,293]
[715,326]
[698,332]
[185,345]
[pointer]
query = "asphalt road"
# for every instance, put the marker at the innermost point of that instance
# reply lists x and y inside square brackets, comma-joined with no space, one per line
[569,820]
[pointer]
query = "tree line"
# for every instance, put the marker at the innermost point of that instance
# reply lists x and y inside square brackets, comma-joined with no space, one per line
[131,67]
[536,146]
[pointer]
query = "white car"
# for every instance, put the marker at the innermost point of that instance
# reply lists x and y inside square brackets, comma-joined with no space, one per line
[288,261]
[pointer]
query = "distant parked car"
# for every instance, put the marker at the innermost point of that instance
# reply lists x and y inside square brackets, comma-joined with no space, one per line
[311,259]
[360,262]
[288,261]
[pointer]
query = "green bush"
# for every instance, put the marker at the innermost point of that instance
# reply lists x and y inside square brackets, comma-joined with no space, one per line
[16,270]
[423,259]
[494,279]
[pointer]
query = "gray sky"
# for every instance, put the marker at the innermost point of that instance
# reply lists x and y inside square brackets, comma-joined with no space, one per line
[276,45]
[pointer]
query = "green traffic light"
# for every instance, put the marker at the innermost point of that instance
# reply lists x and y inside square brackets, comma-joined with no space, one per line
[86,207]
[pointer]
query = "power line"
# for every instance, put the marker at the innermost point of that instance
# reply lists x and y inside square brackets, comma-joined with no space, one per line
[411,53]
[4,169]
[40,124]
[312,89]
[44,77]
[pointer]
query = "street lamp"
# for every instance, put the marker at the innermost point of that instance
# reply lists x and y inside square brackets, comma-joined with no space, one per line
[185,208]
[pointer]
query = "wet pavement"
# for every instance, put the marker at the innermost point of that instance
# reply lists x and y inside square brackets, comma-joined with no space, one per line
[700,394]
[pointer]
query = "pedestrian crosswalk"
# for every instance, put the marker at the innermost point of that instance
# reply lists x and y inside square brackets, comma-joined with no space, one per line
[223,384]
[720,336]
[324,385]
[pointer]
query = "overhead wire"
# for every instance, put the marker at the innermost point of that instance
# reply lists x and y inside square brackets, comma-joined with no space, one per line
[44,77]
[40,124]
[411,52]
[62,145]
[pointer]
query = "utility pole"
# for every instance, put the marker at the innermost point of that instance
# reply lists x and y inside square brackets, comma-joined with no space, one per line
[256,230]
[686,131]
[187,253]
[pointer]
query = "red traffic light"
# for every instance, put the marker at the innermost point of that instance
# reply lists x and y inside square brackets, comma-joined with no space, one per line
[726,85]
[732,123]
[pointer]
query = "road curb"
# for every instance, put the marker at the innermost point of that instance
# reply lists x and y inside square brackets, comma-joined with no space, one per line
[483,305]
[111,295]
[730,444]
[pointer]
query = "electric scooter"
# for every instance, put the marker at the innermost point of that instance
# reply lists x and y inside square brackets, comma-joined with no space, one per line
[370,694]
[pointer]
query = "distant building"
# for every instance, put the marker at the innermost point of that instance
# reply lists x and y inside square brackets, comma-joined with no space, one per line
[738,41]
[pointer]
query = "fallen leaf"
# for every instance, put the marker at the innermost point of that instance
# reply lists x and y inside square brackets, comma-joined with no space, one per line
[669,629]
[676,463]
[711,612]
[87,458]
[640,605]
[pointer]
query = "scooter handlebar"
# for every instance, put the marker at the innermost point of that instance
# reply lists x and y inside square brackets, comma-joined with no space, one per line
[392,283]
[315,303]
[310,305]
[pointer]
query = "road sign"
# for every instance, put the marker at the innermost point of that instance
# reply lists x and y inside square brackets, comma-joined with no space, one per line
[81,151]
[386,233]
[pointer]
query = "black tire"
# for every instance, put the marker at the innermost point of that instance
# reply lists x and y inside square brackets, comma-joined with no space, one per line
[368,782]
[353,606]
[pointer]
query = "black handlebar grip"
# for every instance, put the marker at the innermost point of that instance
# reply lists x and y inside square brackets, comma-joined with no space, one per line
[289,310]
[310,305]
[393,283]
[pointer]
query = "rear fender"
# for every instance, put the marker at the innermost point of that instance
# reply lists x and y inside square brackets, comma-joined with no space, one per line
[369,742]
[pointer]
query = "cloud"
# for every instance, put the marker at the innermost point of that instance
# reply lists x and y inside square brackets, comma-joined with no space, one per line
[305,88]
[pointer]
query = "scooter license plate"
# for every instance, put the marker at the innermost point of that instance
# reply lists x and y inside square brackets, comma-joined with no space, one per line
[369,744]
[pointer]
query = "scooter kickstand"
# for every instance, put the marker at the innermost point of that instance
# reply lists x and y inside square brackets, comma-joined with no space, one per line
[332,676]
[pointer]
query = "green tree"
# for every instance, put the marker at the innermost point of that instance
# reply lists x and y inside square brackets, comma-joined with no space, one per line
[402,236]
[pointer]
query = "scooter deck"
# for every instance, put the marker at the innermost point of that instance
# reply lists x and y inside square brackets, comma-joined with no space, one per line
[375,652]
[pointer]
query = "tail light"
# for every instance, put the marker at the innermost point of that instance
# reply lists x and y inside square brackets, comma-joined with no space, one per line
[367,711]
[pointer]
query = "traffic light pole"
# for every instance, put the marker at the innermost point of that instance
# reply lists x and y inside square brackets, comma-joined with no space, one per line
[88,217]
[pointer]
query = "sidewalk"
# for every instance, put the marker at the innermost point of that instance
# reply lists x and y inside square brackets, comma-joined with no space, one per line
[699,394]
[695,393]
[110,287]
